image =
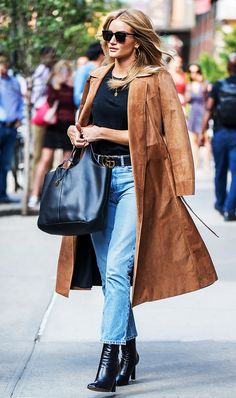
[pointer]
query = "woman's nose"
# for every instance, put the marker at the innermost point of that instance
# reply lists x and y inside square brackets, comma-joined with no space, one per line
[113,39]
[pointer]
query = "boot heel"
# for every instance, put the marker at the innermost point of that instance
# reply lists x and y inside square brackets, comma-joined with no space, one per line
[113,388]
[133,374]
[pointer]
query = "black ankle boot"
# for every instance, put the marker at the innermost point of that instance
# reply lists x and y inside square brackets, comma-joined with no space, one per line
[108,370]
[129,359]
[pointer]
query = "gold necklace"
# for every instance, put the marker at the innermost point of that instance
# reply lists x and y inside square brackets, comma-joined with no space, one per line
[117,78]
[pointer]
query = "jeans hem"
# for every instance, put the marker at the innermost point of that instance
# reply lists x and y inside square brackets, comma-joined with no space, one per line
[131,338]
[119,342]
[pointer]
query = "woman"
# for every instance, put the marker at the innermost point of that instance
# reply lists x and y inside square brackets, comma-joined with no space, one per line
[132,116]
[196,94]
[60,89]
[178,75]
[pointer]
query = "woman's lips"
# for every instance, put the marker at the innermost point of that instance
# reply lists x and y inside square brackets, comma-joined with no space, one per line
[112,49]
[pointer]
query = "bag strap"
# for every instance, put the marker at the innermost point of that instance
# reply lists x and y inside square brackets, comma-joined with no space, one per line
[184,200]
[55,105]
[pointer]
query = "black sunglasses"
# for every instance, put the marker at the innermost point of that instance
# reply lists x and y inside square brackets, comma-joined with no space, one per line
[120,36]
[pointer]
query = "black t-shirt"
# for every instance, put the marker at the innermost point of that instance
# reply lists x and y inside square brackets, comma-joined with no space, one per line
[215,95]
[110,111]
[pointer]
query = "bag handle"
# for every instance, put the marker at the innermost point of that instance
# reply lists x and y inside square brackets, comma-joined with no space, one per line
[70,159]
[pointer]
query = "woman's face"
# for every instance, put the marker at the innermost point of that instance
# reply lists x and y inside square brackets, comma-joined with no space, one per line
[178,62]
[194,72]
[124,50]
[64,73]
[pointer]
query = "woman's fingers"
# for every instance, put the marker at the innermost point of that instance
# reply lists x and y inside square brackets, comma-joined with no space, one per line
[78,126]
[75,137]
[72,132]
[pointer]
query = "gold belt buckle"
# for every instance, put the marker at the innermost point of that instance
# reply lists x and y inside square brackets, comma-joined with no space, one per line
[108,162]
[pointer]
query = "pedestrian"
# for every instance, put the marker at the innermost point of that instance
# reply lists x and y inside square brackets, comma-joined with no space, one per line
[11,114]
[175,67]
[95,56]
[132,117]
[81,61]
[39,92]
[221,105]
[196,95]
[60,88]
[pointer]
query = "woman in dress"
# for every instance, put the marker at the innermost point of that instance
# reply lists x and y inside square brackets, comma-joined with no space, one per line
[196,94]
[60,89]
[175,68]
[131,115]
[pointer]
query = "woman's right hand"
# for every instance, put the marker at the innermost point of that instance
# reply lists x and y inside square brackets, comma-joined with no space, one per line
[75,135]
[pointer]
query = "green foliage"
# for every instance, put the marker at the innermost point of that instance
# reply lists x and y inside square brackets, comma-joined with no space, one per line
[67,25]
[212,70]
[230,41]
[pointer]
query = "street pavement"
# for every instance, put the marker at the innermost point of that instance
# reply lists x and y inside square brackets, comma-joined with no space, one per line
[50,344]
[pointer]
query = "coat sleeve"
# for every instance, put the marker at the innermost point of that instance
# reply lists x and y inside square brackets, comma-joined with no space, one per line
[176,136]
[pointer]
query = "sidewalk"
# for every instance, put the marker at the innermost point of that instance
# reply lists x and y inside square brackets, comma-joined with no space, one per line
[50,345]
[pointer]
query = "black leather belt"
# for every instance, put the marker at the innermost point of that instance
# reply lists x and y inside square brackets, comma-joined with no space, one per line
[113,161]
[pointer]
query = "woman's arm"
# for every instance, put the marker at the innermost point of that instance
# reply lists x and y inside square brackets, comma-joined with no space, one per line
[52,95]
[95,133]
[81,137]
[188,95]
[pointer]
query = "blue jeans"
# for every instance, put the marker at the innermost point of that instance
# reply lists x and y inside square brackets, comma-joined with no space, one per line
[114,248]
[224,152]
[7,144]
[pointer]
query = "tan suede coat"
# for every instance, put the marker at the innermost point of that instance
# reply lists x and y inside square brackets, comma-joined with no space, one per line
[171,257]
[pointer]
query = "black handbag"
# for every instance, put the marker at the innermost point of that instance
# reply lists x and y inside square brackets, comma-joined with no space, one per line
[74,199]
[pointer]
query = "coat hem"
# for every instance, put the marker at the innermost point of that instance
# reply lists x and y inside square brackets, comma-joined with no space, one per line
[194,289]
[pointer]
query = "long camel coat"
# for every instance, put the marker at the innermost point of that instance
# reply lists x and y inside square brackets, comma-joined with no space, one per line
[170,256]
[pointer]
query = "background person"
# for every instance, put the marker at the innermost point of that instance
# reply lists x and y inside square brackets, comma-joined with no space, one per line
[60,88]
[196,95]
[81,61]
[175,67]
[125,101]
[221,105]
[11,114]
[95,57]
[39,92]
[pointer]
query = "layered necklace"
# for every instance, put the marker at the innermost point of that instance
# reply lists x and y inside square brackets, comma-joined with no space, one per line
[116,92]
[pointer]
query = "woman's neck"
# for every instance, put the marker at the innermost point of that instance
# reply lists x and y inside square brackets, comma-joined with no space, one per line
[122,67]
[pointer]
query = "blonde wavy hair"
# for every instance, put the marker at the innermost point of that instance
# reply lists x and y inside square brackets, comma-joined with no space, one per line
[57,70]
[150,53]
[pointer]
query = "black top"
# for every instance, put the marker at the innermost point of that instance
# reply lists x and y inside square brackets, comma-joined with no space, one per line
[215,95]
[110,111]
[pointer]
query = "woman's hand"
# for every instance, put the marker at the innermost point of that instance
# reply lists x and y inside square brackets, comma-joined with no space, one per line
[91,133]
[75,135]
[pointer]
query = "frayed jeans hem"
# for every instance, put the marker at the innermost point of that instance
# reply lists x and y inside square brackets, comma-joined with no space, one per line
[123,342]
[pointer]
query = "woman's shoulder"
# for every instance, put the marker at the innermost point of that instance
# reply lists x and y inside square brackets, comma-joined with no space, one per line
[102,70]
[157,76]
[151,71]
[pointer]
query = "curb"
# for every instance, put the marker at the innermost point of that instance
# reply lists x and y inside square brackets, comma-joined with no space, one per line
[10,210]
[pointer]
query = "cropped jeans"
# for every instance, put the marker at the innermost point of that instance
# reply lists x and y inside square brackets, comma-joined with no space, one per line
[114,248]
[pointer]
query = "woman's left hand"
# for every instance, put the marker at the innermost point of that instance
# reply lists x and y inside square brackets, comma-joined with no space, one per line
[91,133]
